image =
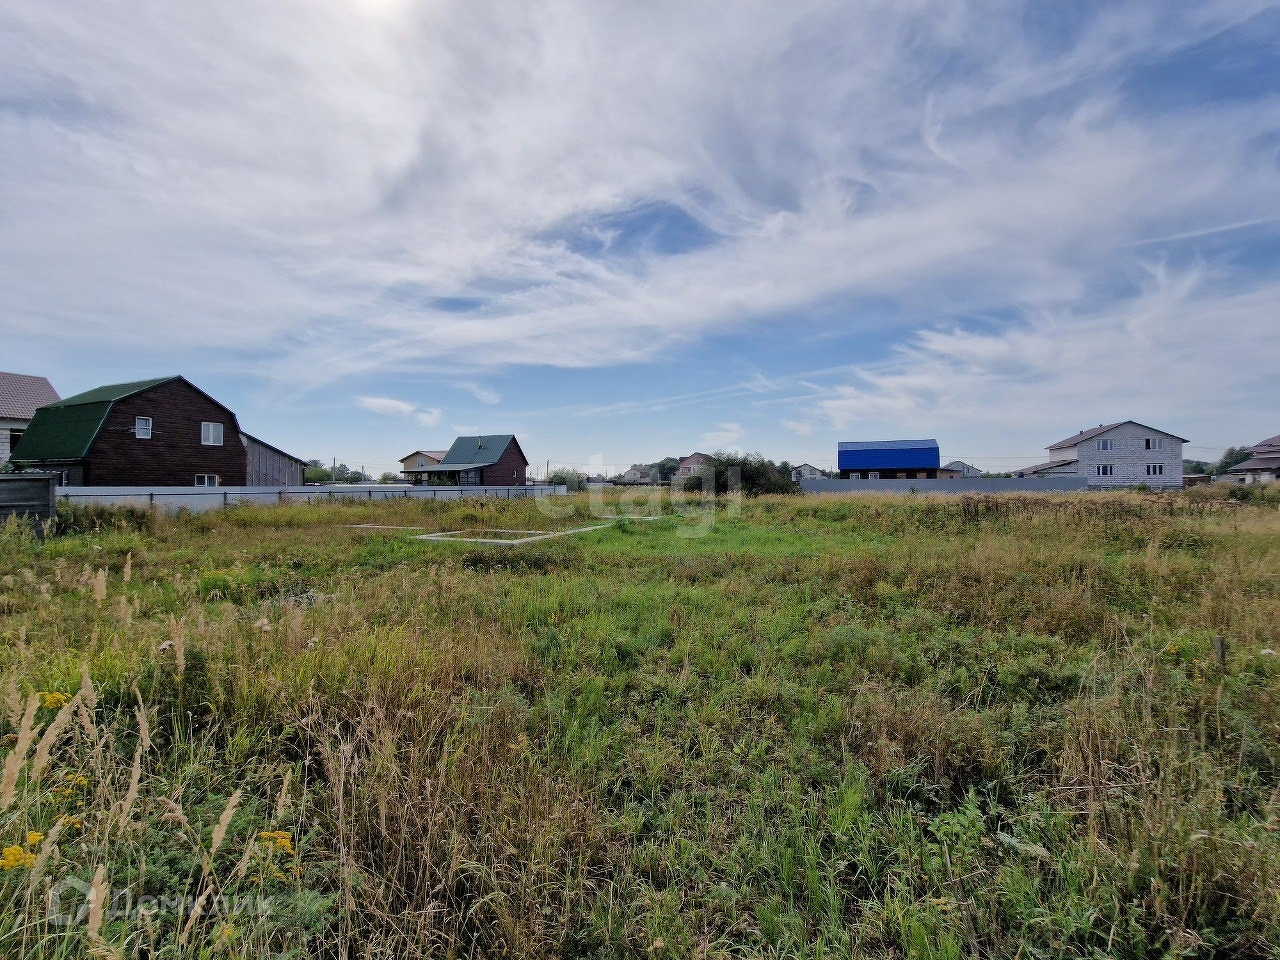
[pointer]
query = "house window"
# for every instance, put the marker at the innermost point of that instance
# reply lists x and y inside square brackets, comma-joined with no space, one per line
[873,474]
[142,428]
[207,479]
[1104,446]
[1155,469]
[1155,443]
[211,434]
[1105,469]
[421,463]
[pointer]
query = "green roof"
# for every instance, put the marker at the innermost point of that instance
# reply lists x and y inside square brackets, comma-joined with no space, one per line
[467,453]
[111,392]
[66,429]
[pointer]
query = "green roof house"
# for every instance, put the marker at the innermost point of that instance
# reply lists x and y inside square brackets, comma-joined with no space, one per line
[163,432]
[495,460]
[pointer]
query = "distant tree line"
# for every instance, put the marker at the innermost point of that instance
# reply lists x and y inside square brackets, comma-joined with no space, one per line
[1231,457]
[318,472]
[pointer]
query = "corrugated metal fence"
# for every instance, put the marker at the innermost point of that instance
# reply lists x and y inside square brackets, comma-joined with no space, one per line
[970,485]
[202,499]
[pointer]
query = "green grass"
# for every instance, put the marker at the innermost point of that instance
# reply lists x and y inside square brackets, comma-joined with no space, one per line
[820,727]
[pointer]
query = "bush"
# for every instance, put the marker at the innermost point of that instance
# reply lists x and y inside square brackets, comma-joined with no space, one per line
[750,473]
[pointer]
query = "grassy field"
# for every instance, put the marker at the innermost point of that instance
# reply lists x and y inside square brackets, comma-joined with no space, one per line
[872,726]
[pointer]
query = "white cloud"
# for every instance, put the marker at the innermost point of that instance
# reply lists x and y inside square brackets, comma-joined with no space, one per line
[801,428]
[386,405]
[480,392]
[338,188]
[389,406]
[725,435]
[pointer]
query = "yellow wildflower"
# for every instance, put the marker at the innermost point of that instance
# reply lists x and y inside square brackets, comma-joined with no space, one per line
[33,838]
[278,840]
[15,857]
[53,700]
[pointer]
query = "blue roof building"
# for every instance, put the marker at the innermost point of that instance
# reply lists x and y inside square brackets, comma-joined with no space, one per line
[889,459]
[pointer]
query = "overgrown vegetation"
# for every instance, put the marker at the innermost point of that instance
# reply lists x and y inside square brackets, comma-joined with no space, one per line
[1016,726]
[747,473]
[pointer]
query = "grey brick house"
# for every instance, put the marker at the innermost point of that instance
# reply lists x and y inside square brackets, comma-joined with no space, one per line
[1123,454]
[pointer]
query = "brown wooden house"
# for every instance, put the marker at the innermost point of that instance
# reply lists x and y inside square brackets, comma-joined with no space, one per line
[490,461]
[163,432]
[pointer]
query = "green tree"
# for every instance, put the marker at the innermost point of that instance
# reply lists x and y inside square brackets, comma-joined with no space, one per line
[750,473]
[1230,458]
[575,481]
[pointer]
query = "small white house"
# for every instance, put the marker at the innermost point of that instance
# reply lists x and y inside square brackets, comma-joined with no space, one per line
[1125,454]
[806,471]
[635,476]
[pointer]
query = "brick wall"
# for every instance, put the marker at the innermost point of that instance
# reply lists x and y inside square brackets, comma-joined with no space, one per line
[1130,457]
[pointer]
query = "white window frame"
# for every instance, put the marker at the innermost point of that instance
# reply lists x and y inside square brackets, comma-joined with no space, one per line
[142,427]
[1155,469]
[422,462]
[1105,470]
[208,431]
[202,480]
[1155,443]
[873,474]
[1105,445]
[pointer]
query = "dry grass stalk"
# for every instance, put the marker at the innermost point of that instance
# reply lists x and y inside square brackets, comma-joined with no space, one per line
[86,688]
[283,799]
[51,735]
[100,585]
[99,893]
[131,795]
[220,831]
[47,848]
[12,700]
[173,813]
[127,573]
[144,729]
[197,909]
[177,633]
[18,756]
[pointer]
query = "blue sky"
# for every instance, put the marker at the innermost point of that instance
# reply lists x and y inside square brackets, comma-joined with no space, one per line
[623,231]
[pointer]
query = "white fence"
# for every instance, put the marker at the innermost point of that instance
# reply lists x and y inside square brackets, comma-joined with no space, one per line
[958,485]
[202,499]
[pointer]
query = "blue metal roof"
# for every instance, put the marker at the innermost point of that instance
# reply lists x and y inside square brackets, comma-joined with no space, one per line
[887,445]
[888,455]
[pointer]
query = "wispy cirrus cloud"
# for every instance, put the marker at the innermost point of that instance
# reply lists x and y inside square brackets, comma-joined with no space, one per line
[725,435]
[480,391]
[581,186]
[389,406]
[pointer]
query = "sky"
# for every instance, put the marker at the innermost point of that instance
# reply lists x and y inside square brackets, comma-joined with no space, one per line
[624,231]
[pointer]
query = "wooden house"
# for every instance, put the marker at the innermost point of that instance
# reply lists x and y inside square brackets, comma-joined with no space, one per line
[268,466]
[414,463]
[487,461]
[164,432]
